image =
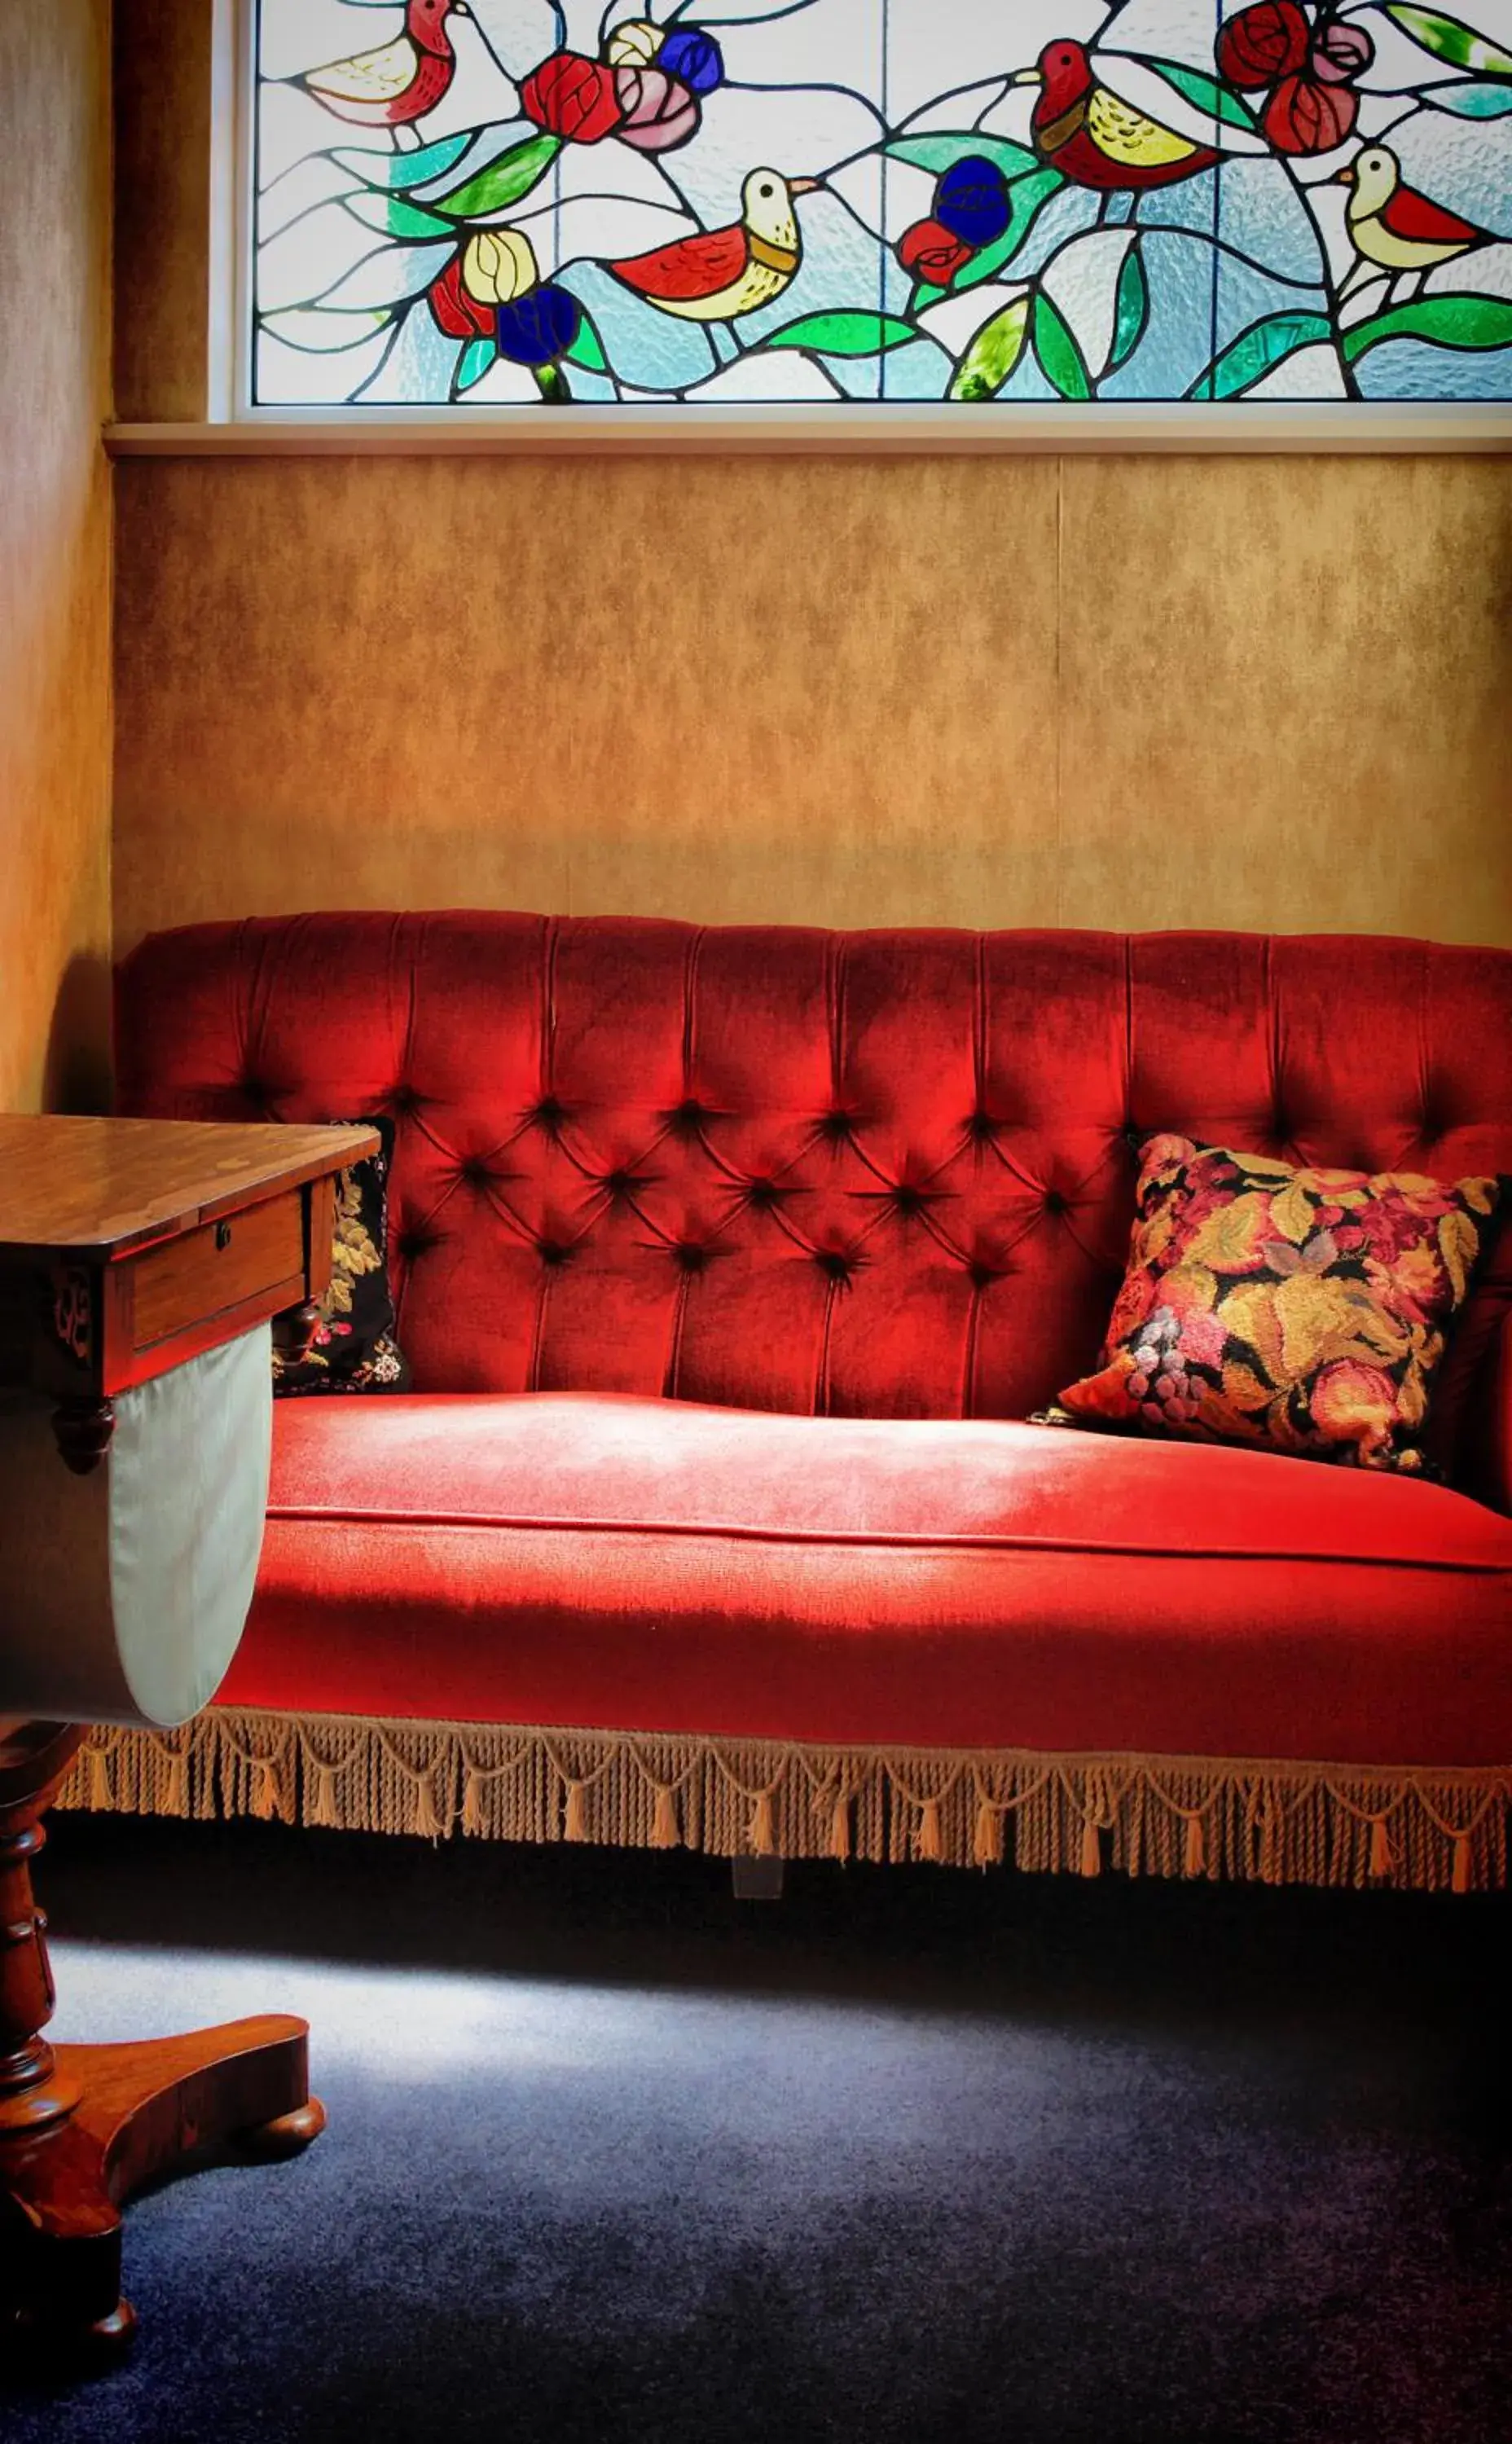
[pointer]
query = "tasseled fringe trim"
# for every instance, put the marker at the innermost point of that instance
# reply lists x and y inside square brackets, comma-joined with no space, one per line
[1429,1828]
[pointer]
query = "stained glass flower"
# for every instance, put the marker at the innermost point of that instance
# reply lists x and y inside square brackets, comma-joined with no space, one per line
[693,57]
[657,111]
[538,328]
[1306,114]
[1263,43]
[573,97]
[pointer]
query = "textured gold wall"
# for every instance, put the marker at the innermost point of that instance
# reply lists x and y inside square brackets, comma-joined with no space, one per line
[162,100]
[54,553]
[1136,692]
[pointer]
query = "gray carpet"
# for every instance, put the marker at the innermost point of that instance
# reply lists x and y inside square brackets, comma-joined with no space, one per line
[909,2155]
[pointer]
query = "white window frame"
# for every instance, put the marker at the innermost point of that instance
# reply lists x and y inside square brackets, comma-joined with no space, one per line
[234,426]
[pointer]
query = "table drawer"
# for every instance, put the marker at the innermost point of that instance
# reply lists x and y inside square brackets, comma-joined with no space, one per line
[216,1267]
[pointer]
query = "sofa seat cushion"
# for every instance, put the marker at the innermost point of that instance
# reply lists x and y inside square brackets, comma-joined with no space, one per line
[634,1563]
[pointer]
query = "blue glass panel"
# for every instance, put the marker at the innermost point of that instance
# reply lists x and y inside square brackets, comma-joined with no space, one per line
[1411,369]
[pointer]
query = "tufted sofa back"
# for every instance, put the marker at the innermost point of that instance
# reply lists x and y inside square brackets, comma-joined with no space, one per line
[877,1174]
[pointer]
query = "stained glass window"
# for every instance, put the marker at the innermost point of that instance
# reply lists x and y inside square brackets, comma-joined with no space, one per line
[501,203]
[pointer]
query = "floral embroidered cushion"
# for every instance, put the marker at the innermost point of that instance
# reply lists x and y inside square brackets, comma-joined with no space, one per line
[1304,1310]
[354,1349]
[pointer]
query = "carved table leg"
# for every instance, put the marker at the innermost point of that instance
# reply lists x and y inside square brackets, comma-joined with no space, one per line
[82,2127]
[83,1431]
[294,1329]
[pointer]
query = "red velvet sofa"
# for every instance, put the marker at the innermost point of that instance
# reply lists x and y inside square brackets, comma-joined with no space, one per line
[728,1261]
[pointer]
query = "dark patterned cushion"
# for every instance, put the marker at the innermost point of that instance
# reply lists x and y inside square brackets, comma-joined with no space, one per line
[354,1349]
[1306,1310]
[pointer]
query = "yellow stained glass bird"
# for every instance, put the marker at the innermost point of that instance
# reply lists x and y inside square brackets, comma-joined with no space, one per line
[1395,227]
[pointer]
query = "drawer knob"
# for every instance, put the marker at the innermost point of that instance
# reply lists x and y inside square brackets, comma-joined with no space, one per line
[223,1235]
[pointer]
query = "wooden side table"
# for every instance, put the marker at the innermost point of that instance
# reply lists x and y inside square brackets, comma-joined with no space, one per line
[128,1248]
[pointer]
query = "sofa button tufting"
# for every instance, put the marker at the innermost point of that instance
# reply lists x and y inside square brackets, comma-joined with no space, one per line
[762,1193]
[688,1257]
[689,1114]
[982,1275]
[982,1127]
[908,1199]
[549,1113]
[835,1127]
[475,1172]
[402,1099]
[831,1263]
[552,1252]
[1055,1202]
[617,1183]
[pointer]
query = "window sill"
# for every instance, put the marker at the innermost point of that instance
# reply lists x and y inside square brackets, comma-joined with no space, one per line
[1323,430]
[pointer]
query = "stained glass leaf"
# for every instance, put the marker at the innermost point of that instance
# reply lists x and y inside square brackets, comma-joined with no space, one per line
[403,168]
[993,354]
[1056,352]
[939,153]
[1448,39]
[1025,195]
[486,146]
[843,335]
[1256,350]
[1213,100]
[477,358]
[924,296]
[394,217]
[1452,321]
[1081,282]
[587,351]
[1474,101]
[1133,309]
[955,322]
[504,182]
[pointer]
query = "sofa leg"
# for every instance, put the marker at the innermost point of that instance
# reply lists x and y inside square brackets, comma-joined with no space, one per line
[755,1879]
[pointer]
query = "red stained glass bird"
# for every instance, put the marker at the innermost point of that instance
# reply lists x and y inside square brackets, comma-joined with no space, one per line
[1094,139]
[399,82]
[724,272]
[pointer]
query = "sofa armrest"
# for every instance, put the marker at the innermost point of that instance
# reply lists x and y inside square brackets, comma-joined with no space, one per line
[1499,1420]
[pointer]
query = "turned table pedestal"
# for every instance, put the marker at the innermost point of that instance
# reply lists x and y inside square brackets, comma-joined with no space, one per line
[141,1263]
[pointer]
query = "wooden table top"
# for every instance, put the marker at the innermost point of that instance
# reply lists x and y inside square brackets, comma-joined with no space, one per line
[99,1188]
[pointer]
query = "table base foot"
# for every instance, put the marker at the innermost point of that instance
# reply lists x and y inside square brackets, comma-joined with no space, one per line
[143,2112]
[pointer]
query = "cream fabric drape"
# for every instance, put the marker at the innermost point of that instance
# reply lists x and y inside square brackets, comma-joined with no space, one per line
[123,1592]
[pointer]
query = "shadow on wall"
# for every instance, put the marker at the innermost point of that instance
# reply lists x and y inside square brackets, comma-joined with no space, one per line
[77,1076]
[719,870]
